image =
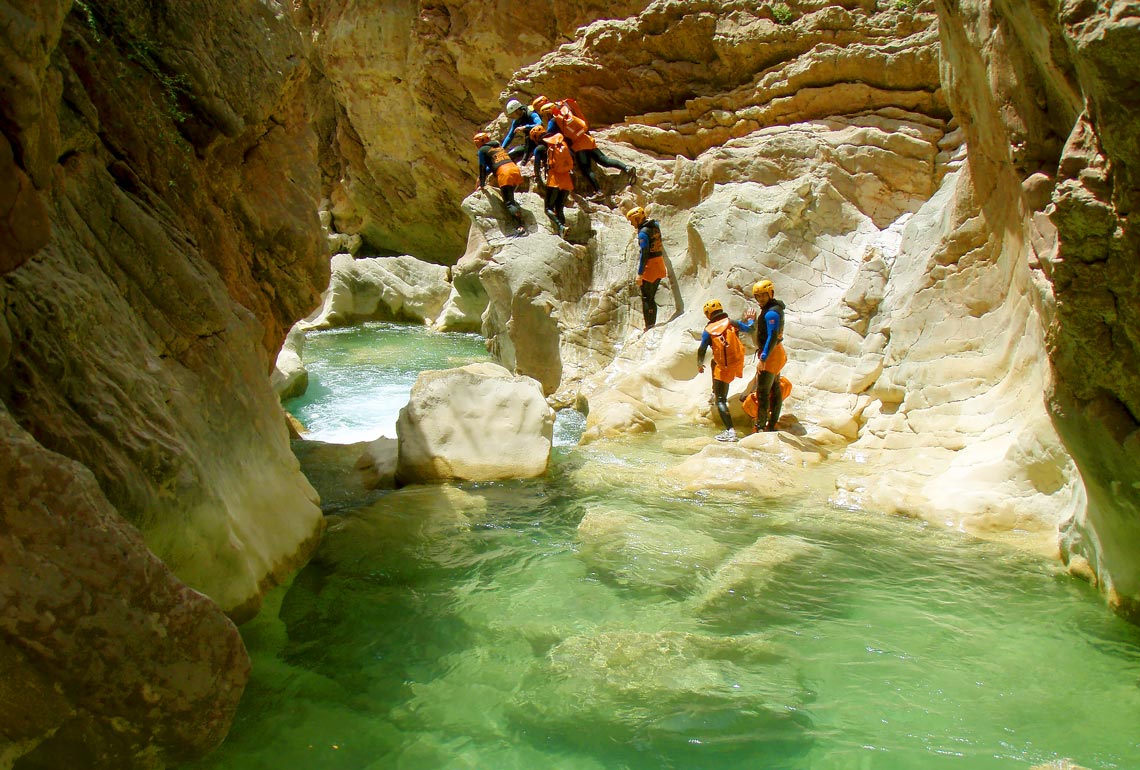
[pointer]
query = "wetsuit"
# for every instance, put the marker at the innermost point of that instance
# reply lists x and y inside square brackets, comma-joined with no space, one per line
[650,268]
[771,355]
[494,159]
[720,385]
[528,120]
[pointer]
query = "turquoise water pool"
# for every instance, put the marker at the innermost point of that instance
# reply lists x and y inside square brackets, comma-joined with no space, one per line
[599,618]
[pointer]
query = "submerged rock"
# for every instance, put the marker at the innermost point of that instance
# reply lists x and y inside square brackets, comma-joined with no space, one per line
[642,552]
[478,423]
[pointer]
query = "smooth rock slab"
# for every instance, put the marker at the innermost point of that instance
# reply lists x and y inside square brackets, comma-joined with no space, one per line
[475,423]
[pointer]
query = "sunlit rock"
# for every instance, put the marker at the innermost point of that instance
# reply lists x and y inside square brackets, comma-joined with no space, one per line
[382,289]
[478,422]
[290,378]
[734,467]
[643,551]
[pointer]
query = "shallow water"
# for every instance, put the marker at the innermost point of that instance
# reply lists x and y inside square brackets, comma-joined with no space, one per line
[598,619]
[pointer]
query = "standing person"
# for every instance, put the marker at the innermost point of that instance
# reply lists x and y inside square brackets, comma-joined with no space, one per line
[523,119]
[722,334]
[770,356]
[493,158]
[553,155]
[650,265]
[562,118]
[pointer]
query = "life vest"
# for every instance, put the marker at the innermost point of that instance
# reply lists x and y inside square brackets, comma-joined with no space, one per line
[654,254]
[752,408]
[498,157]
[727,349]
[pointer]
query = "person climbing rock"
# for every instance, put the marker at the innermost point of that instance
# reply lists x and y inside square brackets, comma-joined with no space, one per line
[493,158]
[770,356]
[523,119]
[722,334]
[565,118]
[651,263]
[553,156]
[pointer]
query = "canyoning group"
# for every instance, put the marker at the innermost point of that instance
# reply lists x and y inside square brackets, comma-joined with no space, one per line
[556,137]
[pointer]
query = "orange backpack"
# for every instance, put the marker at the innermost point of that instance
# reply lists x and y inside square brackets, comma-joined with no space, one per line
[727,349]
[560,159]
[569,118]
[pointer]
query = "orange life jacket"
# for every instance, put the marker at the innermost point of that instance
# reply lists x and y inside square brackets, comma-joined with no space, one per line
[727,349]
[573,125]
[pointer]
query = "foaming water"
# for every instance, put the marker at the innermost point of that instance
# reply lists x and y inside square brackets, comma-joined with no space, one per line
[600,619]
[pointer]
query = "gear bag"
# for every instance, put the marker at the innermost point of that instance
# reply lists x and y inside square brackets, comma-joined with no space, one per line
[727,349]
[560,158]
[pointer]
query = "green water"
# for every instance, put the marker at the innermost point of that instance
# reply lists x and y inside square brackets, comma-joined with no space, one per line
[598,619]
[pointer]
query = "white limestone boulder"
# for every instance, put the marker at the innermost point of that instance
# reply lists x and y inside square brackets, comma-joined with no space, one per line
[382,289]
[478,423]
[290,378]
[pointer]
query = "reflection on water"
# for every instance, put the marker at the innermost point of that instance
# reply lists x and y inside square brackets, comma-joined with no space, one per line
[599,619]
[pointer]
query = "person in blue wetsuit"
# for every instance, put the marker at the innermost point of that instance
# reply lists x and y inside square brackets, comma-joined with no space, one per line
[523,119]
[770,357]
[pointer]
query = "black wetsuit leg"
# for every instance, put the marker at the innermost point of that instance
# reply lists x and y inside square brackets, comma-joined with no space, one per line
[605,160]
[513,208]
[560,197]
[720,395]
[649,302]
[775,403]
[550,205]
[764,399]
[586,167]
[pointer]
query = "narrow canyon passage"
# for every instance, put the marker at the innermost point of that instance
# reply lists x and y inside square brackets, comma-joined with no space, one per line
[602,618]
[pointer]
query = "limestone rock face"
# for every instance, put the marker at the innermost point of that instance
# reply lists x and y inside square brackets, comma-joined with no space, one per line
[413,82]
[1055,146]
[160,234]
[822,154]
[382,289]
[478,423]
[168,669]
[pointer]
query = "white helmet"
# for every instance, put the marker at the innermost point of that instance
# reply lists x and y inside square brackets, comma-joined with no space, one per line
[513,106]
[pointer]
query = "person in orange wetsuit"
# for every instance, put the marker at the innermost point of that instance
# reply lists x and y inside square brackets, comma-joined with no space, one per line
[650,265]
[553,155]
[494,159]
[561,119]
[722,334]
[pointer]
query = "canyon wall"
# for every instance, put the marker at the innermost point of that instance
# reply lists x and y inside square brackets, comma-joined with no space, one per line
[1049,105]
[912,183]
[160,189]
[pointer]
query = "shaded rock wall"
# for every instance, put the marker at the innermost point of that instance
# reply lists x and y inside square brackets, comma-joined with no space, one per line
[160,234]
[414,81]
[1063,126]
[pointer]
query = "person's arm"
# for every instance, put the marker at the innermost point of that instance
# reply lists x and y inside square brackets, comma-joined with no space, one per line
[484,167]
[510,135]
[706,340]
[643,244]
[772,322]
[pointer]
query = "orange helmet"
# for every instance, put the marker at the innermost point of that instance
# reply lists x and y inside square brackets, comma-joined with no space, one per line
[537,132]
[481,138]
[546,110]
[536,105]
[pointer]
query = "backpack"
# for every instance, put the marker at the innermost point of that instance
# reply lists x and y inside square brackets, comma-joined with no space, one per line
[569,119]
[560,158]
[727,349]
